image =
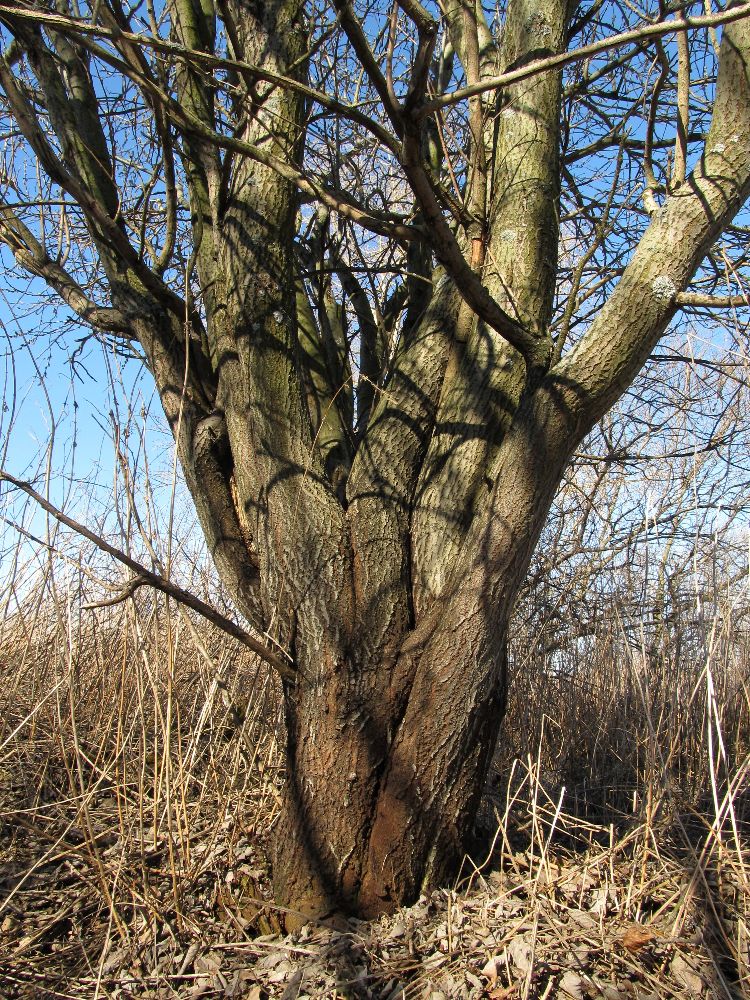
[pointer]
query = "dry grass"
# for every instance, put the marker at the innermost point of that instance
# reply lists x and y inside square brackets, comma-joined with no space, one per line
[139,779]
[125,767]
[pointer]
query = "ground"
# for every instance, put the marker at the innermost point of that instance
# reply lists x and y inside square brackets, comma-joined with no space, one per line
[557,910]
[138,808]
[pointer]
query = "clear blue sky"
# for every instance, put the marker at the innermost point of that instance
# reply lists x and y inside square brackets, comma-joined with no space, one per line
[61,401]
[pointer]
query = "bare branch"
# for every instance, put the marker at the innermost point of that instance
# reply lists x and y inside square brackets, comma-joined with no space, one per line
[144,576]
[385,224]
[31,254]
[683,109]
[134,41]
[687,299]
[657,30]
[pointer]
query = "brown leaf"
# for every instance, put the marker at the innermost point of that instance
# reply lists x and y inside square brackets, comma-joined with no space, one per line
[490,969]
[635,937]
[686,975]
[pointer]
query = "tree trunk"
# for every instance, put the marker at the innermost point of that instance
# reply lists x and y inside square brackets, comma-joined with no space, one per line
[387,760]
[371,818]
[395,715]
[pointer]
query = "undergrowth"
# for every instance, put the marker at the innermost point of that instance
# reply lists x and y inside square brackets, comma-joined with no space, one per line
[139,786]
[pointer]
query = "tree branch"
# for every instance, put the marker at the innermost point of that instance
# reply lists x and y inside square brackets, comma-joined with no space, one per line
[105,229]
[31,255]
[604,362]
[144,576]
[584,52]
[120,37]
[686,299]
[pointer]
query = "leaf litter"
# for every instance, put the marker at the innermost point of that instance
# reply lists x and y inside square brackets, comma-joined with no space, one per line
[502,933]
[115,884]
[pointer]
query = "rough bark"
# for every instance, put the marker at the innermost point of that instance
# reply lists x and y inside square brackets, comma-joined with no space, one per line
[427,762]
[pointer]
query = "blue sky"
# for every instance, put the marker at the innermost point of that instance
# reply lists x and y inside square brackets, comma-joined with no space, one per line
[61,403]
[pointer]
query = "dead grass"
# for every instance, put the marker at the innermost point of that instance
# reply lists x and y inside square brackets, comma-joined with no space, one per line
[139,777]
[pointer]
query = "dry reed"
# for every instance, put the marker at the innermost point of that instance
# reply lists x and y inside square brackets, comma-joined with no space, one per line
[139,776]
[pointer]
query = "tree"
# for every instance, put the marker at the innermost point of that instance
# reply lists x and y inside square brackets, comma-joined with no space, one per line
[387,269]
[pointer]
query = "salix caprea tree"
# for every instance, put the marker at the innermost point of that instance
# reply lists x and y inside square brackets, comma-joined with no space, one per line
[388,266]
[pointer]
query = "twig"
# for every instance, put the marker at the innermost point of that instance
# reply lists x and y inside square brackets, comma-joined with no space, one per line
[144,577]
[655,30]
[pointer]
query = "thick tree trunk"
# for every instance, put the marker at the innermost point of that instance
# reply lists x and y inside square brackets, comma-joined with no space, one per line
[396,818]
[387,759]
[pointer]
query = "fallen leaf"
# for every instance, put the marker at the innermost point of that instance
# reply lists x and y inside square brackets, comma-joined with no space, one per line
[295,985]
[582,918]
[503,992]
[520,954]
[209,963]
[612,993]
[686,975]
[491,967]
[636,937]
[600,901]
[571,985]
